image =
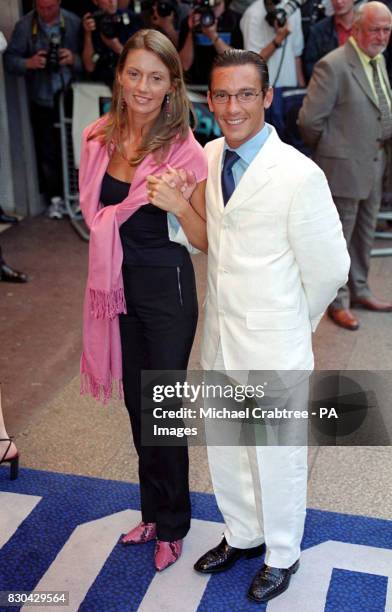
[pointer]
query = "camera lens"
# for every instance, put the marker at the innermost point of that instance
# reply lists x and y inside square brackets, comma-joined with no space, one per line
[207,19]
[53,53]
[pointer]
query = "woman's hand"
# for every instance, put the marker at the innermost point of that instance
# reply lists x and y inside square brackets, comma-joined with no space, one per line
[164,194]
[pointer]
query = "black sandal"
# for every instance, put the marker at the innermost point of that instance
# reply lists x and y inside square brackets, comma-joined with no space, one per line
[13,461]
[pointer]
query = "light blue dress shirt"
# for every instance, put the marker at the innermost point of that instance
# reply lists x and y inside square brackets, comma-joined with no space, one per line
[247,152]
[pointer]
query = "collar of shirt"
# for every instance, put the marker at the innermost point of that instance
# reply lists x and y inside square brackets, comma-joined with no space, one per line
[340,24]
[342,32]
[247,152]
[49,28]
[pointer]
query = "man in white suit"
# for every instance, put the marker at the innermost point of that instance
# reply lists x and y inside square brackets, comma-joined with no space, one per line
[276,259]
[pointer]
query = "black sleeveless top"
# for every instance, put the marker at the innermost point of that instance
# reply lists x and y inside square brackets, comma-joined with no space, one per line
[144,236]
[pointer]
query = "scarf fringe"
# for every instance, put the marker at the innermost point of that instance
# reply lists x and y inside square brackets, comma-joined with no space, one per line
[107,305]
[103,393]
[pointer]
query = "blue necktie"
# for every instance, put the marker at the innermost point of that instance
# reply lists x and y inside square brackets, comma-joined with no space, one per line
[228,184]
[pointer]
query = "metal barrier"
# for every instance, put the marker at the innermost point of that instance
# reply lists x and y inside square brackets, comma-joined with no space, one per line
[70,173]
[385,214]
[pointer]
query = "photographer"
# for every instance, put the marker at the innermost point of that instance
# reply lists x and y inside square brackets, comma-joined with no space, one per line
[274,30]
[280,44]
[207,32]
[165,16]
[105,33]
[45,48]
[328,34]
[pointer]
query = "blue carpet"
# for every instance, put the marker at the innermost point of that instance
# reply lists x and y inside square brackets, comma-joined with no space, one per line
[68,501]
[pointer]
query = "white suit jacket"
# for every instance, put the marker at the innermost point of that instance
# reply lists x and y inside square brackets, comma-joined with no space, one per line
[276,258]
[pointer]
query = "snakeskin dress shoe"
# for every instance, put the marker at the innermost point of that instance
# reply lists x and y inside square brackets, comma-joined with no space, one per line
[270,582]
[223,556]
[167,553]
[144,532]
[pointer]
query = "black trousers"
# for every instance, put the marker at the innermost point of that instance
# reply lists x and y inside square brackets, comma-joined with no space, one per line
[48,149]
[157,333]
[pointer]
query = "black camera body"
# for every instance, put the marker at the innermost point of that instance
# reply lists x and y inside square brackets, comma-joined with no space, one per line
[204,9]
[318,12]
[278,12]
[109,25]
[164,9]
[52,58]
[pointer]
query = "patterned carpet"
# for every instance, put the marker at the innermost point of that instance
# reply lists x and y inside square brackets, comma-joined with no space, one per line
[60,532]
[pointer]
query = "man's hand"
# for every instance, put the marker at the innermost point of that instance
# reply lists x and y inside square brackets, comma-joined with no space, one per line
[211,31]
[89,23]
[165,197]
[112,43]
[66,57]
[281,32]
[193,20]
[37,61]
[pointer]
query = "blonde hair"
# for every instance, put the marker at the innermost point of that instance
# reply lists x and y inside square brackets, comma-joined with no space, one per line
[173,120]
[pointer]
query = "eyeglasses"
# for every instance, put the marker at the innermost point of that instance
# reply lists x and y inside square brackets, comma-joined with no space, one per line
[245,95]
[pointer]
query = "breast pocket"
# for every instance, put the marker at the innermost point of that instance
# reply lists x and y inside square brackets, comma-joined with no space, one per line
[259,233]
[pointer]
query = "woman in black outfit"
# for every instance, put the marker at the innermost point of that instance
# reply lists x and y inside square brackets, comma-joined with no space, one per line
[147,129]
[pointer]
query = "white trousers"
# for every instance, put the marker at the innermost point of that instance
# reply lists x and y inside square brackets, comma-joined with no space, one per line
[261,493]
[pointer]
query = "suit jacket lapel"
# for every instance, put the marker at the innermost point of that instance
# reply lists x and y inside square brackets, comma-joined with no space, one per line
[386,80]
[215,170]
[359,73]
[257,175]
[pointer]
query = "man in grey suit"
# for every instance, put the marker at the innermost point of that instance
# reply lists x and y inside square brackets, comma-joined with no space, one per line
[346,120]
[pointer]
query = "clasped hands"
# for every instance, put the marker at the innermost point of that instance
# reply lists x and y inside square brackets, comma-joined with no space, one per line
[172,190]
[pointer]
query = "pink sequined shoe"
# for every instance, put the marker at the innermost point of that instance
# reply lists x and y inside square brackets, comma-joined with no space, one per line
[167,553]
[144,532]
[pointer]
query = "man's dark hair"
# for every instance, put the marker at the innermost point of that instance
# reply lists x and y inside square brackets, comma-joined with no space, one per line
[239,57]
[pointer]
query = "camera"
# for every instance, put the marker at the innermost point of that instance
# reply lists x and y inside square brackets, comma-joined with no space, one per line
[204,9]
[52,61]
[110,25]
[312,11]
[164,9]
[317,13]
[278,12]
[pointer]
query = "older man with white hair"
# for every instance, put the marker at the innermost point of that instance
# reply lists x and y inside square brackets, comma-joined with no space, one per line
[346,119]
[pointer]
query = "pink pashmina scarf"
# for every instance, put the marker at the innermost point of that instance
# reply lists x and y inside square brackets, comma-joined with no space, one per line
[101,367]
